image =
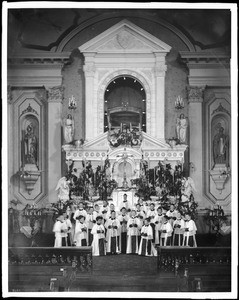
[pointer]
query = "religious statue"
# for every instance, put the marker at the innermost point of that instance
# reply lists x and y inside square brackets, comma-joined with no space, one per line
[69,128]
[30,146]
[181,128]
[63,189]
[221,147]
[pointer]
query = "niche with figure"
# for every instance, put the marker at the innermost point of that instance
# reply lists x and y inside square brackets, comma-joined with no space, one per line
[30,141]
[220,141]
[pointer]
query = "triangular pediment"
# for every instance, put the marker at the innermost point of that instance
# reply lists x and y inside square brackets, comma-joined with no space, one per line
[150,143]
[99,143]
[125,36]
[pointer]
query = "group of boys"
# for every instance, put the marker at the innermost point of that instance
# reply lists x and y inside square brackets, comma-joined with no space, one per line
[130,230]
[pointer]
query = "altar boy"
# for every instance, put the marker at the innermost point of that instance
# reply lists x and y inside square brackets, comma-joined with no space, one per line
[178,230]
[189,238]
[58,229]
[98,231]
[123,219]
[112,226]
[146,247]
[158,221]
[133,231]
[166,232]
[80,237]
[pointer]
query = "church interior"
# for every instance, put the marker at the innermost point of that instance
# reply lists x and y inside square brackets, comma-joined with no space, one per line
[114,113]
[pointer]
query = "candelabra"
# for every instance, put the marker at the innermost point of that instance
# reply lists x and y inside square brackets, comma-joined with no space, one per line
[72,103]
[33,214]
[179,103]
[214,218]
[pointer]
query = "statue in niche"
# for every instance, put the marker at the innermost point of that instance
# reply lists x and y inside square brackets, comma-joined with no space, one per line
[68,128]
[30,145]
[181,128]
[221,147]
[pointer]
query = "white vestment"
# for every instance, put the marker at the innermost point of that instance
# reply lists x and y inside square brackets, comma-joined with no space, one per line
[96,238]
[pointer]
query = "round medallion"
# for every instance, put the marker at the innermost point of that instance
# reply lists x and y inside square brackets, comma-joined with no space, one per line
[92,154]
[86,154]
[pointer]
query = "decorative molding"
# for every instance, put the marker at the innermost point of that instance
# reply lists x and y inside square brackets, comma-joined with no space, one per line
[195,94]
[40,58]
[160,70]
[29,109]
[99,18]
[205,58]
[55,94]
[220,108]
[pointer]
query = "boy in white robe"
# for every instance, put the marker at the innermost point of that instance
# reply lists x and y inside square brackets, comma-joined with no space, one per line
[58,229]
[172,214]
[98,232]
[166,232]
[96,213]
[133,231]
[80,211]
[178,230]
[158,221]
[123,219]
[146,247]
[68,234]
[190,229]
[80,237]
[112,226]
[89,223]
[151,213]
[104,209]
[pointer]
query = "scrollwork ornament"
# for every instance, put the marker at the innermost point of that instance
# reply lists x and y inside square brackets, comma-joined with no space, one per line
[195,93]
[55,94]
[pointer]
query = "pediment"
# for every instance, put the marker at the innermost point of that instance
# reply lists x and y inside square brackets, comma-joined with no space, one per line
[99,143]
[150,143]
[125,36]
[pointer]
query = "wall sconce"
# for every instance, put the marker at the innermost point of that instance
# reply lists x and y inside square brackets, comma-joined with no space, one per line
[72,103]
[179,103]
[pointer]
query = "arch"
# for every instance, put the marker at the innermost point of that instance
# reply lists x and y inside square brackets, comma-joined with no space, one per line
[111,75]
[107,16]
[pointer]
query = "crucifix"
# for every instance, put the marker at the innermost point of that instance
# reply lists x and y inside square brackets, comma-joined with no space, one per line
[124,157]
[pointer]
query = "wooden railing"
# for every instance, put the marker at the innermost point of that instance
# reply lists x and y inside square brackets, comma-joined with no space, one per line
[47,268]
[196,269]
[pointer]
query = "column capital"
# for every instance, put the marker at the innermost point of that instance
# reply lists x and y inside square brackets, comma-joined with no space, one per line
[160,69]
[89,69]
[195,93]
[55,94]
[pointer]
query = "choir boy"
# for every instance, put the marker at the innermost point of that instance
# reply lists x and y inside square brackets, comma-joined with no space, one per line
[68,225]
[96,212]
[166,232]
[189,238]
[125,202]
[151,213]
[80,211]
[133,231]
[80,237]
[89,223]
[112,208]
[112,226]
[98,232]
[104,209]
[178,230]
[172,214]
[158,221]
[140,214]
[142,204]
[146,247]
[123,219]
[58,228]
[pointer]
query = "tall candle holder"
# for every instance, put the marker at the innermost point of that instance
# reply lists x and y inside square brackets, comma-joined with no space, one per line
[179,103]
[214,218]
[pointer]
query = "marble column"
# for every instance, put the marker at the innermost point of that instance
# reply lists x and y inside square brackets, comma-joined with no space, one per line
[55,96]
[195,98]
[90,103]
